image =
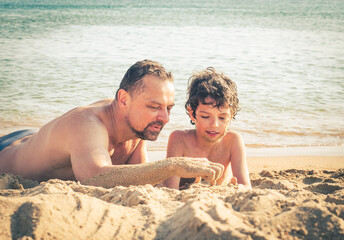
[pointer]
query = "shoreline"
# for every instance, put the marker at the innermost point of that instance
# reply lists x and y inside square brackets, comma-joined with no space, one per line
[259,159]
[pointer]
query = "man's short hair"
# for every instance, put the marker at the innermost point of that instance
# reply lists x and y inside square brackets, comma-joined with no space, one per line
[132,80]
[209,83]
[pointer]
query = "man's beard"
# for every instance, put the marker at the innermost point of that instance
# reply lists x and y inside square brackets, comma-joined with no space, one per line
[146,134]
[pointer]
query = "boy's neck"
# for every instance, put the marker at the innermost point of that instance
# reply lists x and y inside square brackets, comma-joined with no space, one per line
[206,145]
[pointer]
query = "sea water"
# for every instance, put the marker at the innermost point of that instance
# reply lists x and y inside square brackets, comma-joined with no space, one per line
[286,56]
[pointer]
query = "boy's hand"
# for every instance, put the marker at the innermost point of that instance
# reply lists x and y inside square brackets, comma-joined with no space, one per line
[198,168]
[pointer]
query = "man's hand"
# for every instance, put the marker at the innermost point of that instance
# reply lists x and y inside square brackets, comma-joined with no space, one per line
[198,168]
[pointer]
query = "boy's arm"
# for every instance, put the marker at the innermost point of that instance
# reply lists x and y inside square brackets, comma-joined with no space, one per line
[238,160]
[174,149]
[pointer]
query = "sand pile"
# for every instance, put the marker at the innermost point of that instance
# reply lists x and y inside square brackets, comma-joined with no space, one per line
[289,204]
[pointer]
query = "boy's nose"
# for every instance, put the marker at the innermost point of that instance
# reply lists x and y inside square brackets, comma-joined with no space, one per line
[215,122]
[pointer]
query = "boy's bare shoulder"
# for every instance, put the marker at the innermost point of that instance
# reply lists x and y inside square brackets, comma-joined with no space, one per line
[181,138]
[233,136]
[182,133]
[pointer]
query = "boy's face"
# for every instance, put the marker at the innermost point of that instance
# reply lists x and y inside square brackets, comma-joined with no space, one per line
[211,122]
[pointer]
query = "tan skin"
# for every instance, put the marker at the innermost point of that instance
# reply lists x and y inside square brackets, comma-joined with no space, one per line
[211,140]
[94,144]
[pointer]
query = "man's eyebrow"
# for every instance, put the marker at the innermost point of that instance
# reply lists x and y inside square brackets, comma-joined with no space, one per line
[158,103]
[155,102]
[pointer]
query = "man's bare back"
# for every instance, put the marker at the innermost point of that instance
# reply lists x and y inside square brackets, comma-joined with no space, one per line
[104,144]
[46,154]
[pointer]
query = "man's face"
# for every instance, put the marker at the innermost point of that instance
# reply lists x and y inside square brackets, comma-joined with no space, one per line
[211,122]
[150,109]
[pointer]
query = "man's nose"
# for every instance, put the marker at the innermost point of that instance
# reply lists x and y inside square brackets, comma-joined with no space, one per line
[164,116]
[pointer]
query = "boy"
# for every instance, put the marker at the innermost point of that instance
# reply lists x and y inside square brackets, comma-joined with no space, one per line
[211,105]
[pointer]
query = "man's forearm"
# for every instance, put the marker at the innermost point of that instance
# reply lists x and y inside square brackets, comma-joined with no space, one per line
[138,174]
[155,172]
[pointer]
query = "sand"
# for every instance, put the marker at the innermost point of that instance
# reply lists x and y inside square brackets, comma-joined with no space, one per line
[302,203]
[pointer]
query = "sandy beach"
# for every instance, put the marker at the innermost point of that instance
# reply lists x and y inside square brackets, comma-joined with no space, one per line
[286,58]
[301,202]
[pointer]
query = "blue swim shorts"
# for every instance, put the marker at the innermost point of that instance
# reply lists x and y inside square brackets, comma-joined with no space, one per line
[8,139]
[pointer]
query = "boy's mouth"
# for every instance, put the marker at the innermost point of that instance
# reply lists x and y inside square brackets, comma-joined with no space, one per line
[212,133]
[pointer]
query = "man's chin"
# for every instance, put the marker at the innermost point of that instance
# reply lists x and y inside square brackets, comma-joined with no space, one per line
[150,136]
[153,137]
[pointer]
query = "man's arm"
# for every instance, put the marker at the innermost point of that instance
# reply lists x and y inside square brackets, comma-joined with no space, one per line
[92,164]
[155,172]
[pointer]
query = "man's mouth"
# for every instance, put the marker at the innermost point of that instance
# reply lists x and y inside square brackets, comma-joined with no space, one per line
[156,126]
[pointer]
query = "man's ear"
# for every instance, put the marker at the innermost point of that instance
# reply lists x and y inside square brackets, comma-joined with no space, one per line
[123,98]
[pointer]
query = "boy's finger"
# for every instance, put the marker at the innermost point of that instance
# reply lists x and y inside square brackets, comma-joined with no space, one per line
[234,181]
[198,179]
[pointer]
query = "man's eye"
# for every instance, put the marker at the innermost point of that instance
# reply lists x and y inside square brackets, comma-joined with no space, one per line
[156,108]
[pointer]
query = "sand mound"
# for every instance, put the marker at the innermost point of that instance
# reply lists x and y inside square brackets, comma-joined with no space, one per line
[290,204]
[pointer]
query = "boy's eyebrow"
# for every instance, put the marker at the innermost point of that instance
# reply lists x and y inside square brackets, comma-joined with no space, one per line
[203,111]
[225,113]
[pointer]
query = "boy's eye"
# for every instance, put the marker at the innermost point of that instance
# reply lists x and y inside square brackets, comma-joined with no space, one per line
[204,116]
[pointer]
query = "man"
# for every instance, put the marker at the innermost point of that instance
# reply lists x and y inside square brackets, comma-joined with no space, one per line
[104,144]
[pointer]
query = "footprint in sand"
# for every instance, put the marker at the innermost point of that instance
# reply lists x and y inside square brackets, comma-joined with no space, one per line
[311,180]
[324,188]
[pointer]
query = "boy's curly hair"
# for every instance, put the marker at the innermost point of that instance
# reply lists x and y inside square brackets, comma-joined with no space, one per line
[219,87]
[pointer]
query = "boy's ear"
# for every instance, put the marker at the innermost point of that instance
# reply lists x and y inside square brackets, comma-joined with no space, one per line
[123,98]
[190,112]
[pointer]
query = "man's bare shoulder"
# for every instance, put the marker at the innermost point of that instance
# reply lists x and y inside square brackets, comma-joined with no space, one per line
[76,124]
[87,113]
[102,102]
